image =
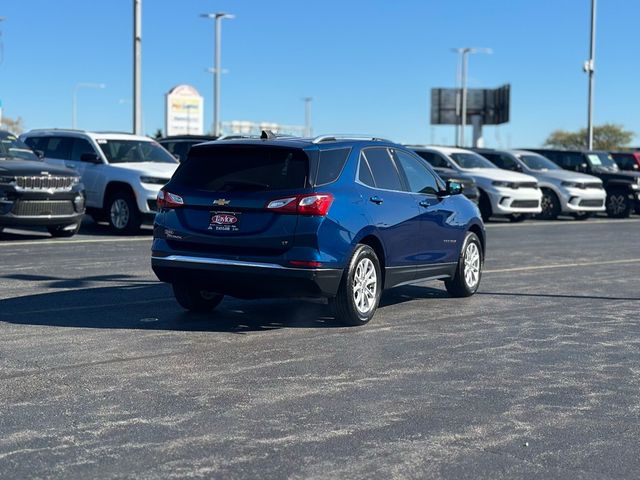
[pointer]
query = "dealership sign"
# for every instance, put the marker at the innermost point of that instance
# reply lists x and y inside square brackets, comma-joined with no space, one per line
[184,111]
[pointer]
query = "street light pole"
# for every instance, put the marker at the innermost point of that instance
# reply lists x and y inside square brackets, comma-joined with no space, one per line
[464,52]
[589,68]
[74,107]
[217,69]
[307,116]
[137,70]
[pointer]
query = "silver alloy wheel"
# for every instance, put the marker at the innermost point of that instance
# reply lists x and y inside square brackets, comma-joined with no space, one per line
[119,213]
[471,265]
[365,285]
[617,204]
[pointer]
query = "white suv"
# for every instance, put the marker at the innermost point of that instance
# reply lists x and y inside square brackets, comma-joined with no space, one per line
[503,193]
[563,191]
[122,173]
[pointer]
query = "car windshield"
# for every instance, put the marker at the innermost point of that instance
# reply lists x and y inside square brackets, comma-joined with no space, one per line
[602,160]
[12,148]
[538,162]
[134,151]
[471,160]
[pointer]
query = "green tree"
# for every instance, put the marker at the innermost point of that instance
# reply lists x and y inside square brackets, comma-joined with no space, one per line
[608,136]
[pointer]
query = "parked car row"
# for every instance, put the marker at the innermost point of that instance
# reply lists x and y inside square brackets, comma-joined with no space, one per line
[116,177]
[543,182]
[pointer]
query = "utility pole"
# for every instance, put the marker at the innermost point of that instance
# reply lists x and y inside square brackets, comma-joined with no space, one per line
[589,68]
[137,69]
[217,69]
[308,131]
[462,65]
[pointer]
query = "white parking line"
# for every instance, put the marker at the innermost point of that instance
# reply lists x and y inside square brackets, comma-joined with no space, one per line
[561,223]
[32,243]
[563,265]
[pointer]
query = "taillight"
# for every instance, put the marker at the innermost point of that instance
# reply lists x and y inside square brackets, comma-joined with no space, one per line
[169,200]
[313,204]
[305,263]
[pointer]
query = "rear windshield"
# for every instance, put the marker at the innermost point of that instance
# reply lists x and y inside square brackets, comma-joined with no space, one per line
[243,168]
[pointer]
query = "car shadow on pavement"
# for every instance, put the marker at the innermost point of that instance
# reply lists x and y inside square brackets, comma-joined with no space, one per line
[95,229]
[151,306]
[82,282]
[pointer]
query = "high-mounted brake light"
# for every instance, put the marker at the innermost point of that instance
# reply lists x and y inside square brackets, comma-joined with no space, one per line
[169,200]
[313,204]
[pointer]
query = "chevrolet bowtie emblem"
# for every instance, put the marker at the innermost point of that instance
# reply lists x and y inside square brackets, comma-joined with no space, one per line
[221,202]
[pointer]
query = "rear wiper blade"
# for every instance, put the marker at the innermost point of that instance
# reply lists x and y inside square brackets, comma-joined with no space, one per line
[242,185]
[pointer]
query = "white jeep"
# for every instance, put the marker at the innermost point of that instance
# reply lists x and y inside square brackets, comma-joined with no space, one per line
[122,173]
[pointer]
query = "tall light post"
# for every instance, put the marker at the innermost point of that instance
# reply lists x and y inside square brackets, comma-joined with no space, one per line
[74,109]
[464,53]
[137,67]
[589,68]
[217,69]
[308,131]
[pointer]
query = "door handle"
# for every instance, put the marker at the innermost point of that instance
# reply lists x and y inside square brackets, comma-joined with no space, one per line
[425,203]
[375,199]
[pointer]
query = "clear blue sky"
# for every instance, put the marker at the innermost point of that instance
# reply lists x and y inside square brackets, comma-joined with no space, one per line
[369,64]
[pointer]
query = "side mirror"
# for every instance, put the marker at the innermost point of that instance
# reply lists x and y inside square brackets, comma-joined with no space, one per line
[90,158]
[453,188]
[39,153]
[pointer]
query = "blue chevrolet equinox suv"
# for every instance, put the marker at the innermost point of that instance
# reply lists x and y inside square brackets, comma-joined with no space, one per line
[337,217]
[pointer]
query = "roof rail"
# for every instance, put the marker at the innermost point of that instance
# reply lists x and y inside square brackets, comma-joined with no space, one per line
[336,137]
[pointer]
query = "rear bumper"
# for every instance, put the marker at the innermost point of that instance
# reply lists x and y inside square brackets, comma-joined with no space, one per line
[246,279]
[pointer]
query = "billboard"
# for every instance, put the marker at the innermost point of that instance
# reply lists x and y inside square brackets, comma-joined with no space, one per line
[491,104]
[184,111]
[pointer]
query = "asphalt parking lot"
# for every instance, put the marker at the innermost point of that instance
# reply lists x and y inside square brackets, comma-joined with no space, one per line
[537,376]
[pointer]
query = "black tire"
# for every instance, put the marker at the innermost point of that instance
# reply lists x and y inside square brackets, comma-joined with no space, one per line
[60,231]
[344,303]
[518,217]
[122,202]
[194,299]
[458,285]
[618,204]
[550,205]
[485,207]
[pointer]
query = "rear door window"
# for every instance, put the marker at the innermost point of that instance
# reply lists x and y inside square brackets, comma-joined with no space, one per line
[330,165]
[57,147]
[383,169]
[244,168]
